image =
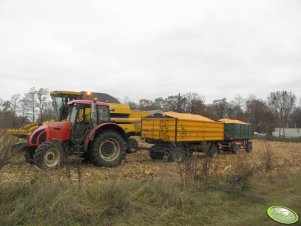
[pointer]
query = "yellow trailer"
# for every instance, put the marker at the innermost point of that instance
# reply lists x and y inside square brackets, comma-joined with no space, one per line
[176,134]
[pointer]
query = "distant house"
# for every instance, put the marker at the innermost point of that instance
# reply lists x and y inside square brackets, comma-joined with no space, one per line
[289,132]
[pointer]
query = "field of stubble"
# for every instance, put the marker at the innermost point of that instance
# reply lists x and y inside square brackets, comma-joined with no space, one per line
[137,166]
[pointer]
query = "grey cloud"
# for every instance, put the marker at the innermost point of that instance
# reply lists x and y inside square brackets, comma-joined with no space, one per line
[149,49]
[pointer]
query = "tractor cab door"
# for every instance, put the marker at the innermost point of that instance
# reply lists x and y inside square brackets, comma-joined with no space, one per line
[93,115]
[80,118]
[99,114]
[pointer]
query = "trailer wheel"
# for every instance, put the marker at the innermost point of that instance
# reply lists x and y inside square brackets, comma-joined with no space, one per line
[108,149]
[248,147]
[177,155]
[157,155]
[213,151]
[132,146]
[235,148]
[49,156]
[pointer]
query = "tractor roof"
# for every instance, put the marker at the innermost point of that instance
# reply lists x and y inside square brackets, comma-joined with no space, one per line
[87,102]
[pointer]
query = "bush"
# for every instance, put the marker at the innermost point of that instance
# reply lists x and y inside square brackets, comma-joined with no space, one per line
[6,151]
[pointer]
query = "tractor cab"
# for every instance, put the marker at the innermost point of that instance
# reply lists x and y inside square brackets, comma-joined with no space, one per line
[84,115]
[61,99]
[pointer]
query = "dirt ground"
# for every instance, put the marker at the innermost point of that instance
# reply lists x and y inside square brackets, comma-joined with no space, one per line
[137,166]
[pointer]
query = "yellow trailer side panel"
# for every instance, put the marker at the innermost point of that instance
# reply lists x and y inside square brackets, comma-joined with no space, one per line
[199,131]
[159,129]
[183,129]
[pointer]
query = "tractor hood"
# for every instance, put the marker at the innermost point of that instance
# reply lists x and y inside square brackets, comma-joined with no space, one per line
[56,131]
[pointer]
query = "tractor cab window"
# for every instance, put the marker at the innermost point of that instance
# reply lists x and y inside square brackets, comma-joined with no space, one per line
[72,115]
[103,113]
[57,105]
[84,114]
[79,114]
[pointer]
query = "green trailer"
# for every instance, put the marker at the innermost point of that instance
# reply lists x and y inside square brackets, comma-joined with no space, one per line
[237,135]
[235,131]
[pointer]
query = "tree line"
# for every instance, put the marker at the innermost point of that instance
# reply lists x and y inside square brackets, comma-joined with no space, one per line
[279,109]
[33,106]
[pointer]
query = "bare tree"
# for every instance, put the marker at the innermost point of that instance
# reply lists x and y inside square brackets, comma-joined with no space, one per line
[145,104]
[14,100]
[295,118]
[42,101]
[29,103]
[236,108]
[282,103]
[159,103]
[1,102]
[195,103]
[259,115]
[177,103]
[221,108]
[23,107]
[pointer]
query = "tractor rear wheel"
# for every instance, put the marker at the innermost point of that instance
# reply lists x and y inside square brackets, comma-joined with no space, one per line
[108,149]
[49,156]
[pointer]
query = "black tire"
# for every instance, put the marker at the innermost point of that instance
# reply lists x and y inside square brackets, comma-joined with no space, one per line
[249,147]
[108,149]
[156,155]
[213,151]
[235,148]
[29,155]
[177,155]
[132,146]
[85,157]
[49,155]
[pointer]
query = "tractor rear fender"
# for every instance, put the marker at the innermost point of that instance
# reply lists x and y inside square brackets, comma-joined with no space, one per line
[103,127]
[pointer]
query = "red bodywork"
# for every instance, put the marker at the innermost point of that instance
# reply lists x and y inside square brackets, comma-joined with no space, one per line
[92,132]
[58,131]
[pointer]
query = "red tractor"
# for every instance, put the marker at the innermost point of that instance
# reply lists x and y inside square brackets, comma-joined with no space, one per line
[87,131]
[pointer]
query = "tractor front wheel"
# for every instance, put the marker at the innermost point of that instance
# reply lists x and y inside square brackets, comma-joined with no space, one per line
[49,156]
[108,149]
[29,155]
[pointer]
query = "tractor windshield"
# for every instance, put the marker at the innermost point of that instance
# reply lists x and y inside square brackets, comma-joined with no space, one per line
[72,115]
[57,103]
[86,113]
[79,114]
[60,106]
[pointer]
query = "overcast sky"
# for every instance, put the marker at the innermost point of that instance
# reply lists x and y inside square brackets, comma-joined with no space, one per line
[147,49]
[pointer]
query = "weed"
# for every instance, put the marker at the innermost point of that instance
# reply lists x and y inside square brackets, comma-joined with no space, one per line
[6,151]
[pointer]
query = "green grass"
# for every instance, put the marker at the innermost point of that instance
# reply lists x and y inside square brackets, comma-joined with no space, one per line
[46,201]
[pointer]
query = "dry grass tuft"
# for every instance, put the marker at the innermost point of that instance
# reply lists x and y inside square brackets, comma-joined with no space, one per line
[6,151]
